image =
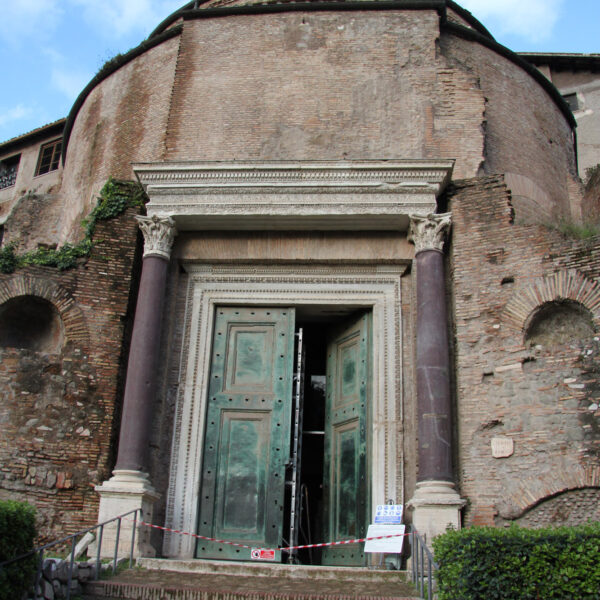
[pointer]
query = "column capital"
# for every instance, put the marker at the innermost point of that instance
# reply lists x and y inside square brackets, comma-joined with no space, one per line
[159,233]
[429,233]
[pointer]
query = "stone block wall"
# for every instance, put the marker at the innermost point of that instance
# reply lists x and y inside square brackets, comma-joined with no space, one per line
[533,403]
[60,406]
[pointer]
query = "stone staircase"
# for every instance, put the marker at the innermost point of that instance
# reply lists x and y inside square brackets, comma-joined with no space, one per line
[161,579]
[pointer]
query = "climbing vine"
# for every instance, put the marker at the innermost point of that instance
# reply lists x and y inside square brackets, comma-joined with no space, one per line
[115,198]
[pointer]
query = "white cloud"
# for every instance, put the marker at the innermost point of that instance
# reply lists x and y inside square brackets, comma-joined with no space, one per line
[533,20]
[119,18]
[22,19]
[16,113]
[68,82]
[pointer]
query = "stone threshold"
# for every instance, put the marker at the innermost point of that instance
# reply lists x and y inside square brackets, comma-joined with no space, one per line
[266,569]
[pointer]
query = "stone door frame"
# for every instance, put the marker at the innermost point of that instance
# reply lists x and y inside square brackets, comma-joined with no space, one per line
[376,287]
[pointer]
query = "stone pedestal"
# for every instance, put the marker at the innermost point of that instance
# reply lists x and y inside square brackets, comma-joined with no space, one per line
[436,506]
[123,492]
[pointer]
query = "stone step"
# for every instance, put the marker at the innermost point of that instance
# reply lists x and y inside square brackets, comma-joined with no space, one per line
[266,569]
[211,580]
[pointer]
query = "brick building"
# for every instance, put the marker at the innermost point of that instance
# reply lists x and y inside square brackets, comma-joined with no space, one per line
[380,180]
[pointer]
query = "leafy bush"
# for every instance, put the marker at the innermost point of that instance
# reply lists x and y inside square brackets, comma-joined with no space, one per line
[519,564]
[17,533]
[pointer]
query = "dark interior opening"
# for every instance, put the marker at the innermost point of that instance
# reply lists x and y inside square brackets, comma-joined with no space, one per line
[31,323]
[310,476]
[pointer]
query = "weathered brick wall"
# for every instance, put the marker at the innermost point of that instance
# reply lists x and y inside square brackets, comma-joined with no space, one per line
[59,412]
[123,120]
[526,134]
[319,85]
[543,398]
[355,85]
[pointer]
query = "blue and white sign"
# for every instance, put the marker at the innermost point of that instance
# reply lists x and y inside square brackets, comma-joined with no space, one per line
[388,514]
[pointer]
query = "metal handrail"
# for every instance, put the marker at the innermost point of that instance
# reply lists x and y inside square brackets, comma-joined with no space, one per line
[423,565]
[72,539]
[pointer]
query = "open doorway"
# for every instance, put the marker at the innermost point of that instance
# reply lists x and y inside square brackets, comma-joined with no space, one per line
[286,445]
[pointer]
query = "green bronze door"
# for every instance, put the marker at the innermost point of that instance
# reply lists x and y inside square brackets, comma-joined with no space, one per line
[345,472]
[247,431]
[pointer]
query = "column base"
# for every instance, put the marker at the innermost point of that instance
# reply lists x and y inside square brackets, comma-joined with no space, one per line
[436,506]
[123,492]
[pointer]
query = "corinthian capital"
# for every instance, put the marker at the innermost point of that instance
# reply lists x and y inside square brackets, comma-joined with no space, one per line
[159,233]
[429,233]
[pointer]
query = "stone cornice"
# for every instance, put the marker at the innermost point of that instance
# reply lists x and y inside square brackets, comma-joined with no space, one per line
[294,195]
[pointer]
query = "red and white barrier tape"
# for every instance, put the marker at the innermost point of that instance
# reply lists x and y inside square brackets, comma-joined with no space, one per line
[284,549]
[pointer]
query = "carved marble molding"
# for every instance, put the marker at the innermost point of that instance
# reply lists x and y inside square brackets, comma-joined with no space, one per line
[335,288]
[159,233]
[429,232]
[365,195]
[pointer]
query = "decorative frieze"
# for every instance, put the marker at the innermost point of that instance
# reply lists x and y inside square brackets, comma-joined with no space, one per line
[429,232]
[344,195]
[159,233]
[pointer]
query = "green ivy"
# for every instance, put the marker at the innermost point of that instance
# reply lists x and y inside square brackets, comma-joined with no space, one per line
[517,563]
[115,198]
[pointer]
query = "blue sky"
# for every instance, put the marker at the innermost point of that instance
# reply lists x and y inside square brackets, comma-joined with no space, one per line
[52,48]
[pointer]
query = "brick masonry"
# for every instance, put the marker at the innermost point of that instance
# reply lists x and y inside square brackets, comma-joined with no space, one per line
[60,412]
[309,86]
[543,397]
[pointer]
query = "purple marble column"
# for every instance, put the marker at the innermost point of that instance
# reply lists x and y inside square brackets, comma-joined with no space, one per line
[435,503]
[433,360]
[129,487]
[142,367]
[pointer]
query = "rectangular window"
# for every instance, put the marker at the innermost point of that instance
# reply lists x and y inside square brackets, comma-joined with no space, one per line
[49,157]
[572,101]
[8,170]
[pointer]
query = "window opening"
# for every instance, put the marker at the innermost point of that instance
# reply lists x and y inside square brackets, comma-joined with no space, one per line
[8,170]
[49,157]
[572,101]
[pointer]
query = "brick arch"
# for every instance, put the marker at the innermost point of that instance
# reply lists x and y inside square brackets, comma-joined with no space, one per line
[72,317]
[564,285]
[532,490]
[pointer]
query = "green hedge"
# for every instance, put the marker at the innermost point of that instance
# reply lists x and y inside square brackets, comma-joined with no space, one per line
[17,534]
[519,564]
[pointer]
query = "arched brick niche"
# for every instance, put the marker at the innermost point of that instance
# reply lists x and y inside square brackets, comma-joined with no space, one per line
[31,323]
[39,315]
[555,309]
[572,507]
[558,322]
[534,500]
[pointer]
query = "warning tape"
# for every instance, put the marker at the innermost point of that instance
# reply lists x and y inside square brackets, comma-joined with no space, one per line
[283,549]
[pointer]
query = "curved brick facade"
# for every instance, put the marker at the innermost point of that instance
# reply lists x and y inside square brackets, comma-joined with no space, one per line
[304,85]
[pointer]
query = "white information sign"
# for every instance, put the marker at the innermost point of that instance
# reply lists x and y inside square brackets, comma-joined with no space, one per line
[388,514]
[388,545]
